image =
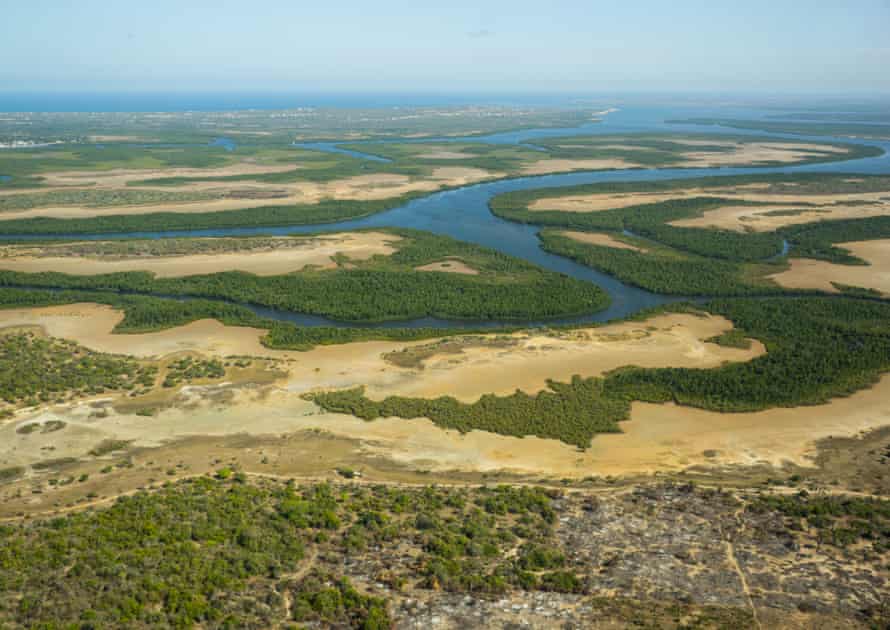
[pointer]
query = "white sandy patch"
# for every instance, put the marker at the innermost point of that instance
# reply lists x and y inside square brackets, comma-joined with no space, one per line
[121,176]
[451,265]
[606,240]
[758,219]
[806,273]
[360,187]
[542,167]
[665,340]
[656,438]
[759,153]
[317,252]
[442,154]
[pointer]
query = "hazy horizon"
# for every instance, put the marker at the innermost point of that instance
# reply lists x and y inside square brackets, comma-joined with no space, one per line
[568,47]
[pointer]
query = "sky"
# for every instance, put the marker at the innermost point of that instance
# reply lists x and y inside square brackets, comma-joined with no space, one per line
[558,46]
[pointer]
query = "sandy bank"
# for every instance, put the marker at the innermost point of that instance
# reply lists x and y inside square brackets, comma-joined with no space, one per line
[605,240]
[806,273]
[317,252]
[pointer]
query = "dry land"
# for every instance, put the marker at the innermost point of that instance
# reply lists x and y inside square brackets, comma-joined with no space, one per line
[656,438]
[452,265]
[806,273]
[606,240]
[283,255]
[247,194]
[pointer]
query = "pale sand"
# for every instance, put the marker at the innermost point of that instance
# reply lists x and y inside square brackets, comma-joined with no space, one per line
[359,188]
[662,341]
[806,273]
[543,167]
[734,217]
[757,153]
[657,438]
[317,252]
[787,146]
[442,154]
[606,240]
[742,154]
[451,265]
[752,218]
[617,147]
[118,177]
[605,201]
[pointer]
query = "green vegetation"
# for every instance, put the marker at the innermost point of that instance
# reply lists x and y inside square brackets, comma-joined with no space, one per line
[148,314]
[98,198]
[572,412]
[25,166]
[204,552]
[840,521]
[647,220]
[734,338]
[666,150]
[37,370]
[820,128]
[325,211]
[279,127]
[189,369]
[666,270]
[325,599]
[50,426]
[382,288]
[108,446]
[698,261]
[816,240]
[817,348]
[11,473]
[712,186]
[157,247]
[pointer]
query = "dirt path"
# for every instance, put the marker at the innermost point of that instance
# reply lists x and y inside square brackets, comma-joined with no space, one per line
[734,562]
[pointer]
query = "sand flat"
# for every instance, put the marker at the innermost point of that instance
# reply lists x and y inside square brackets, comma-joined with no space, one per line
[666,340]
[451,265]
[553,165]
[672,340]
[741,218]
[605,240]
[443,154]
[119,177]
[316,252]
[758,219]
[759,152]
[360,188]
[657,437]
[806,273]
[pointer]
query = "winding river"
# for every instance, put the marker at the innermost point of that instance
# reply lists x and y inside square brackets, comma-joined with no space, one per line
[463,213]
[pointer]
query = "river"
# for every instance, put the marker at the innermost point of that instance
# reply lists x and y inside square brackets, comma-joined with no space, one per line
[463,213]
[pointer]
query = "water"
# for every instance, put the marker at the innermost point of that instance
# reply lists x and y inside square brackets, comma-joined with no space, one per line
[463,214]
[333,147]
[226,143]
[4,178]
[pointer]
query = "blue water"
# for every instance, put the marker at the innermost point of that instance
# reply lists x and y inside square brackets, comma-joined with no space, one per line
[333,147]
[226,143]
[463,214]
[4,178]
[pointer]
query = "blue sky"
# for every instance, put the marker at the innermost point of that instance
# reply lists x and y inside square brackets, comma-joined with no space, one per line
[481,46]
